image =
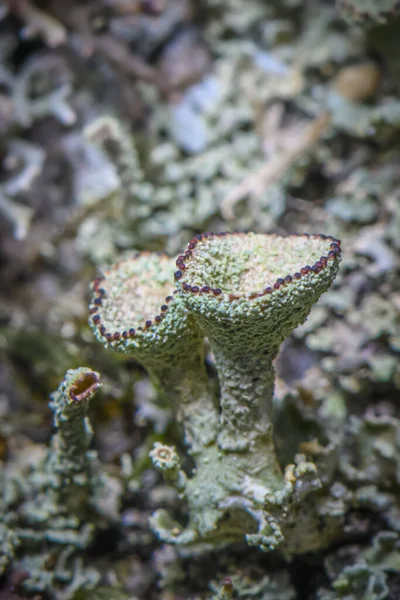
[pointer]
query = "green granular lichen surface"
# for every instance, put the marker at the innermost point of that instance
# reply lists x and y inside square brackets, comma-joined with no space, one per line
[124,181]
[135,289]
[241,268]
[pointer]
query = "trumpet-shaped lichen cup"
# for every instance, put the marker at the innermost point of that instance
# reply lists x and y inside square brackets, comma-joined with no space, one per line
[136,310]
[248,292]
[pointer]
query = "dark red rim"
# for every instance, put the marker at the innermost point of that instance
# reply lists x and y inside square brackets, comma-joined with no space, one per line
[333,254]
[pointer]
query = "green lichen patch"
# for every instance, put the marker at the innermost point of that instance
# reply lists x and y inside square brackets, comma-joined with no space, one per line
[368,11]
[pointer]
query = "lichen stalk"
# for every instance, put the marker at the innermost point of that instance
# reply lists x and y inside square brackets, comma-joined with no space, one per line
[186,387]
[246,400]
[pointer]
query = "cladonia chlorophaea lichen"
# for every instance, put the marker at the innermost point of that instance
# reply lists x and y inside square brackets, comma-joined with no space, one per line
[246,293]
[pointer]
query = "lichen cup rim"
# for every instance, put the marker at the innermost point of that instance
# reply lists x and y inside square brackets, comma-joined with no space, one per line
[136,331]
[184,260]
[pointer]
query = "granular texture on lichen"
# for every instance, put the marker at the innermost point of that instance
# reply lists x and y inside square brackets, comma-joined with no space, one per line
[217,155]
[70,464]
[134,308]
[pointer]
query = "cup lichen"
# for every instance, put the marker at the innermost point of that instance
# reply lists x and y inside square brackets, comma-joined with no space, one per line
[246,293]
[60,500]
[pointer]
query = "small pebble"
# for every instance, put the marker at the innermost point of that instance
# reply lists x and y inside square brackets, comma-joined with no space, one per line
[358,83]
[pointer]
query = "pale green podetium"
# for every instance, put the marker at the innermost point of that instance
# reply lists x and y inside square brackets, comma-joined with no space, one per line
[69,478]
[136,310]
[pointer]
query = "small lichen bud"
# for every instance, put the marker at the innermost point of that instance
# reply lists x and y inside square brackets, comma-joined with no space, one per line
[70,401]
[226,591]
[81,386]
[166,460]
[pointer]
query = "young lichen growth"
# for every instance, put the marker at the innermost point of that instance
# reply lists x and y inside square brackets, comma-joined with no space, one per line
[72,477]
[70,403]
[57,506]
[69,464]
[246,293]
